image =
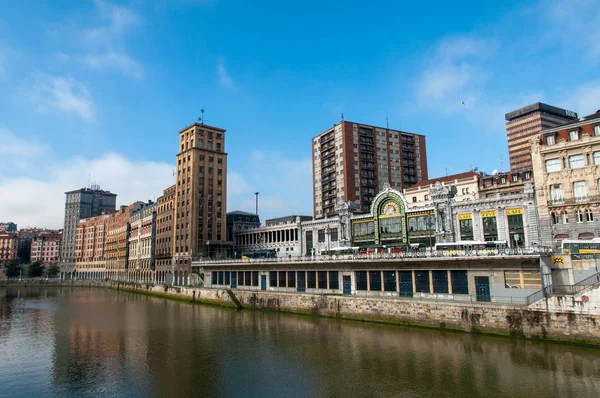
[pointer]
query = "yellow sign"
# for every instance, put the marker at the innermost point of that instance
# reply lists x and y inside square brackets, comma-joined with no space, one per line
[488,214]
[512,212]
[465,216]
[558,260]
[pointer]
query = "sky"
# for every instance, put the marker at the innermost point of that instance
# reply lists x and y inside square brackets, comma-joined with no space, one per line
[97,91]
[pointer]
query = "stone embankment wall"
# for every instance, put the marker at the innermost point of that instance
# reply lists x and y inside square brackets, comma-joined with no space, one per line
[487,318]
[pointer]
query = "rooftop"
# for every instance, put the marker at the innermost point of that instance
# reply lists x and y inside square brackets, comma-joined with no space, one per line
[202,125]
[540,107]
[584,120]
[368,125]
[452,177]
[240,213]
[100,191]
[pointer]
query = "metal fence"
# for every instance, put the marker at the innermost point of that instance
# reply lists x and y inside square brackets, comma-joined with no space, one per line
[530,251]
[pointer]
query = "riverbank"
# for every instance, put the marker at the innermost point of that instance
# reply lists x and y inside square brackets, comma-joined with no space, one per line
[481,318]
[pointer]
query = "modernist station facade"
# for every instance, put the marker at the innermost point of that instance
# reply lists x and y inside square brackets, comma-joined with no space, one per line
[391,224]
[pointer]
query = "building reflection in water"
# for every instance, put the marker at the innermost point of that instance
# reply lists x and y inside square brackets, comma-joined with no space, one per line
[120,344]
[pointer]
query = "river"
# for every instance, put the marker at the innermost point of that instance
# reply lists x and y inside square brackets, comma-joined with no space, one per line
[80,342]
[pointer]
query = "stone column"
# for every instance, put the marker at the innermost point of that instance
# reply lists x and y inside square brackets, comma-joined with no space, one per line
[477,228]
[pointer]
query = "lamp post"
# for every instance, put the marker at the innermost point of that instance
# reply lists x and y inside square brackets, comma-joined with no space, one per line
[256,193]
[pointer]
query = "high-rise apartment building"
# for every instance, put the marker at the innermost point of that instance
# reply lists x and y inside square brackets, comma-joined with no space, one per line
[82,203]
[352,162]
[524,123]
[200,196]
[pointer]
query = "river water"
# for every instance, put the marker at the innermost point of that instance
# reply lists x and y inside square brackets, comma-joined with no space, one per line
[89,342]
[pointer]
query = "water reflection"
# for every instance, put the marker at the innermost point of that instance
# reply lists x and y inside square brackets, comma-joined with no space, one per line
[80,342]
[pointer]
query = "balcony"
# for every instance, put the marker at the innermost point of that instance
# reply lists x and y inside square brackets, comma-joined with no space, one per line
[574,200]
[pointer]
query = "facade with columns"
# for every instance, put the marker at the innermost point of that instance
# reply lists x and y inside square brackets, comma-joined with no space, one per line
[285,239]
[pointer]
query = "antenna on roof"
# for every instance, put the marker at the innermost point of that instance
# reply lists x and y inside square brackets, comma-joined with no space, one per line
[446,171]
[201,118]
[342,116]
[387,122]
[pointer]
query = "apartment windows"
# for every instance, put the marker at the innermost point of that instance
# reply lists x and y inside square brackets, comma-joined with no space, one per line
[502,180]
[465,191]
[576,161]
[579,216]
[218,147]
[209,145]
[580,190]
[596,157]
[555,218]
[556,193]
[552,165]
[573,135]
[589,216]
[200,144]
[550,140]
[515,178]
[414,199]
[527,175]
[597,130]
[564,217]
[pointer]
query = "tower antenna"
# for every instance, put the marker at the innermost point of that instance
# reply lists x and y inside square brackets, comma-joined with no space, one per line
[387,122]
[201,118]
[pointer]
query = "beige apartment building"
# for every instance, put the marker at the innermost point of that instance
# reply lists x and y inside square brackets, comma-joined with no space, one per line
[353,161]
[525,123]
[9,246]
[566,167]
[467,188]
[165,213]
[199,229]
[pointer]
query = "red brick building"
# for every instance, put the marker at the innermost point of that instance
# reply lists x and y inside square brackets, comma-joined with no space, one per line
[352,162]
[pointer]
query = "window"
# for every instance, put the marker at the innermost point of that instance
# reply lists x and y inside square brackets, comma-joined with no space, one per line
[334,280]
[426,197]
[579,215]
[291,279]
[334,234]
[282,278]
[555,219]
[460,282]
[527,175]
[556,193]
[573,135]
[375,280]
[576,161]
[564,217]
[502,180]
[552,165]
[311,279]
[580,190]
[218,147]
[361,280]
[422,281]
[440,281]
[520,279]
[597,130]
[596,157]
[515,178]
[589,216]
[414,199]
[321,235]
[209,145]
[322,277]
[550,140]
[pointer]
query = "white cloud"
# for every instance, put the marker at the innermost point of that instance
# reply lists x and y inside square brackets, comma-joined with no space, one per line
[18,151]
[119,19]
[584,99]
[576,23]
[54,93]
[39,201]
[112,60]
[285,185]
[224,78]
[454,73]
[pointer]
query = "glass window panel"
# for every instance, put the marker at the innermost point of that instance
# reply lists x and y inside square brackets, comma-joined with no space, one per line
[247,278]
[460,282]
[291,279]
[282,278]
[322,275]
[214,277]
[273,278]
[361,280]
[552,165]
[580,190]
[422,281]
[440,281]
[227,280]
[596,157]
[375,280]
[576,161]
[221,277]
[254,278]
[334,280]
[311,279]
[389,281]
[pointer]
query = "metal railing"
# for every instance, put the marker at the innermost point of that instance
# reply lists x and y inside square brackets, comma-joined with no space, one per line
[531,251]
[561,290]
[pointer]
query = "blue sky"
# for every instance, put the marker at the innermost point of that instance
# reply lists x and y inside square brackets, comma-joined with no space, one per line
[97,90]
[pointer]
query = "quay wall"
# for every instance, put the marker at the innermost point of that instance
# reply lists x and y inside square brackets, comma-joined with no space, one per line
[484,318]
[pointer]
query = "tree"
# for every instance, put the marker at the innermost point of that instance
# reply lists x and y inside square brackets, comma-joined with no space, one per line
[52,270]
[35,269]
[11,268]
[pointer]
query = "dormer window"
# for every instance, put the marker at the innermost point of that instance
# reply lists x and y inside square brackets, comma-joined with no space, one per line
[597,130]
[550,140]
[573,135]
